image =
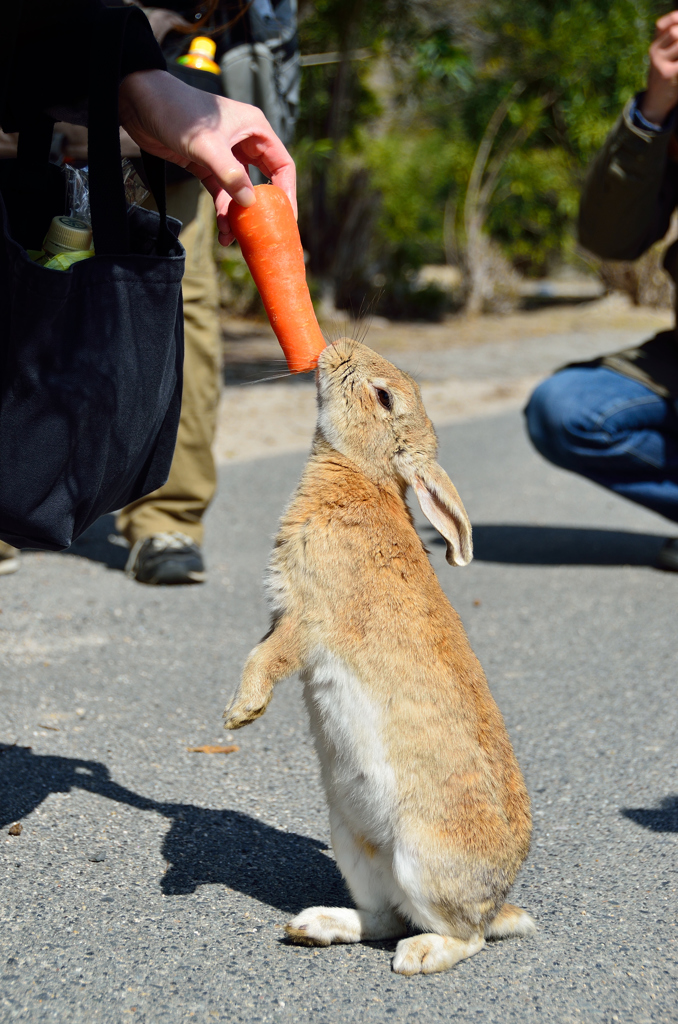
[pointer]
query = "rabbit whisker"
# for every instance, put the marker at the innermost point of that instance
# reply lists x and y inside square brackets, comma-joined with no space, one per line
[363,322]
[265,380]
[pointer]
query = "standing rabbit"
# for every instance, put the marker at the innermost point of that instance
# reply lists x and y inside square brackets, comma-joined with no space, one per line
[429,813]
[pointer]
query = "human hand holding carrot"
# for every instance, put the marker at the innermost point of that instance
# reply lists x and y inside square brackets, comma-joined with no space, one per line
[212,137]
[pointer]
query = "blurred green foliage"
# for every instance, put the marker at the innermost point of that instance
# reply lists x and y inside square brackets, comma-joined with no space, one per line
[385,146]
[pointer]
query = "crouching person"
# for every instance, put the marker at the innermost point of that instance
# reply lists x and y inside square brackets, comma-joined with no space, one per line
[615,419]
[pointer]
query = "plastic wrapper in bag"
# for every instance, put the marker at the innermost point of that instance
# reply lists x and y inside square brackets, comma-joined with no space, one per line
[77,189]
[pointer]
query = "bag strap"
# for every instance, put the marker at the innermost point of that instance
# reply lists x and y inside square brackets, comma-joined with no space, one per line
[31,179]
[11,17]
[155,169]
[110,226]
[106,189]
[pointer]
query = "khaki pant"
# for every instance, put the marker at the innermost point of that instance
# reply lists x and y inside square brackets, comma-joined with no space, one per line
[182,502]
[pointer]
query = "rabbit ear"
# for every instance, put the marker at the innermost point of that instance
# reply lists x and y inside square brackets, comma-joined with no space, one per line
[442,506]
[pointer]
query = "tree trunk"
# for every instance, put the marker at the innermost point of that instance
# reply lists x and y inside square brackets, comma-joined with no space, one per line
[475,269]
[475,206]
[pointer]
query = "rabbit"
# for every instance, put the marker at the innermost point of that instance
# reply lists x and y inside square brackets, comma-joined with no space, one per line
[429,814]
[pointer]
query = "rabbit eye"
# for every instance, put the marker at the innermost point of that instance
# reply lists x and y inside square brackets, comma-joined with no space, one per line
[384,398]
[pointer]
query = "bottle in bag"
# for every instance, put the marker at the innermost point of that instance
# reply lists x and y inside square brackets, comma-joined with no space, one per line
[200,54]
[67,241]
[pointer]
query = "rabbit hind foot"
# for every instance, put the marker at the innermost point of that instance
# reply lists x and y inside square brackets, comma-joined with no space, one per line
[321,926]
[428,954]
[510,920]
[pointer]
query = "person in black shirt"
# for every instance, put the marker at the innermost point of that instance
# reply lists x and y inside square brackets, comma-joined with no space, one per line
[212,137]
[256,47]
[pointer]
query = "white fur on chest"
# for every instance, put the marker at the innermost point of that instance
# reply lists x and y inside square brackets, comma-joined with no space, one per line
[347,728]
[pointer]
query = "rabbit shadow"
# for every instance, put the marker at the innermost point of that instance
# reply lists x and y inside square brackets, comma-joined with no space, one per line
[94,544]
[658,819]
[557,545]
[203,846]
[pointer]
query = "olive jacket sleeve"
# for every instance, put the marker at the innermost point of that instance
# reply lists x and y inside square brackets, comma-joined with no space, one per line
[630,192]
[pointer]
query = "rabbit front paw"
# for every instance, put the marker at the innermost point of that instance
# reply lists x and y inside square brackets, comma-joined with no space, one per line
[244,710]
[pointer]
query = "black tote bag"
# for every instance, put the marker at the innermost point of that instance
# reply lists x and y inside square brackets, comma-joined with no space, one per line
[90,358]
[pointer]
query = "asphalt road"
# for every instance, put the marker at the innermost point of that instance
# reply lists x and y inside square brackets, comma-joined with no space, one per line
[150,883]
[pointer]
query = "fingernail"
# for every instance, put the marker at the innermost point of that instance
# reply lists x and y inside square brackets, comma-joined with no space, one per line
[245,197]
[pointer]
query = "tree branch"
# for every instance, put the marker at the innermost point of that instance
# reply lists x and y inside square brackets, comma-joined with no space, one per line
[484,150]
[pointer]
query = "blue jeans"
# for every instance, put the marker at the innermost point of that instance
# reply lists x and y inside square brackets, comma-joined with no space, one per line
[611,429]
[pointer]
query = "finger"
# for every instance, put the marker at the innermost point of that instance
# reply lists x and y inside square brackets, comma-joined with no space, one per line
[667,38]
[211,184]
[268,154]
[286,179]
[665,21]
[226,237]
[235,180]
[214,160]
[222,202]
[667,58]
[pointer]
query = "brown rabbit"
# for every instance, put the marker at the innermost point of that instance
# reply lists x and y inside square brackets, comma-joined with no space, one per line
[429,813]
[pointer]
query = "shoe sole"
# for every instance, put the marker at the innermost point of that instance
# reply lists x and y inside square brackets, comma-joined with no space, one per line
[174,579]
[666,566]
[667,559]
[9,565]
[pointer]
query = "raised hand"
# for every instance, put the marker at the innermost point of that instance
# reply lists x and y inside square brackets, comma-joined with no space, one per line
[662,80]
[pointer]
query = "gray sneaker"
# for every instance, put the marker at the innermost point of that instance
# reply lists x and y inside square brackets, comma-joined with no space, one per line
[9,559]
[667,559]
[166,559]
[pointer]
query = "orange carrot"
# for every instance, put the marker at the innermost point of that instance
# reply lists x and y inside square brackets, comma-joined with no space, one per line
[269,239]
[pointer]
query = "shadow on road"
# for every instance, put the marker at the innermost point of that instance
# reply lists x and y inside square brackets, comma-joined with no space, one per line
[658,819]
[282,869]
[514,544]
[558,545]
[95,545]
